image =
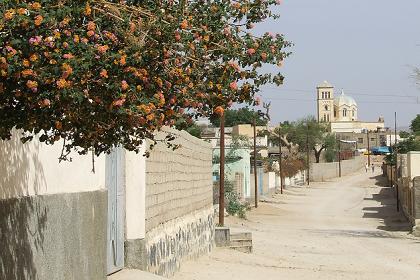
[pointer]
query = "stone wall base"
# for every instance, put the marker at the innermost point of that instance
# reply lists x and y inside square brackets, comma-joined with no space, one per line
[166,246]
[54,237]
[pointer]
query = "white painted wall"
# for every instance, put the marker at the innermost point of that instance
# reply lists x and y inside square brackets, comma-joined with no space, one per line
[33,168]
[413,164]
[135,194]
[271,180]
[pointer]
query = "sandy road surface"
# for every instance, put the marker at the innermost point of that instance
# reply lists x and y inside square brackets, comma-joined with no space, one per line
[344,229]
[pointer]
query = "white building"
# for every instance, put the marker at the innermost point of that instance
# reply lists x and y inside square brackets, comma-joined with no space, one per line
[341,111]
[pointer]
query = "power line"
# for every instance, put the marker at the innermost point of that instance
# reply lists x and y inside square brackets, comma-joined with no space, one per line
[351,92]
[314,100]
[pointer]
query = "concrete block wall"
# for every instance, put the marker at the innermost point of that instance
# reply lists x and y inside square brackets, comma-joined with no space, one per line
[179,212]
[390,173]
[323,171]
[416,206]
[409,187]
[404,186]
[178,182]
[352,165]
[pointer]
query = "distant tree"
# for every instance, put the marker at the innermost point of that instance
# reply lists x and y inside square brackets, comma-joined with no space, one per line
[415,125]
[240,116]
[404,134]
[309,132]
[409,144]
[281,133]
[188,125]
[238,142]
[330,154]
[194,130]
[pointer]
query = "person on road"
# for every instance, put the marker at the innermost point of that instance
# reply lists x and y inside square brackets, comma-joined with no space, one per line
[373,168]
[366,167]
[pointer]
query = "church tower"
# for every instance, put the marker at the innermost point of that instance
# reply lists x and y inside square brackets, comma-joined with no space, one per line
[325,102]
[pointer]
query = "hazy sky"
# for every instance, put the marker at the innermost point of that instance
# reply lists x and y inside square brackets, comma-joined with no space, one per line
[366,47]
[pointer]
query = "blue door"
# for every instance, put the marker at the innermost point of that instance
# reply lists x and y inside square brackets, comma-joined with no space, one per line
[115,170]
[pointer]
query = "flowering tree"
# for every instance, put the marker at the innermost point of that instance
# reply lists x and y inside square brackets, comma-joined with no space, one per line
[104,73]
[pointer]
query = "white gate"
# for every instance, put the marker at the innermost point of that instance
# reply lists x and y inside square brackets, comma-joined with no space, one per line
[115,170]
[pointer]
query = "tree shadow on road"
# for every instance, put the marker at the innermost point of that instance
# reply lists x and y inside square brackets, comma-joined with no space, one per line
[387,212]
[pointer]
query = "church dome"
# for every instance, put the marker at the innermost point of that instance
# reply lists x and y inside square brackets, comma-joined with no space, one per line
[343,99]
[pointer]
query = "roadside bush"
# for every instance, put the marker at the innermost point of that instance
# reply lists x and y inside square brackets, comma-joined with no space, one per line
[234,206]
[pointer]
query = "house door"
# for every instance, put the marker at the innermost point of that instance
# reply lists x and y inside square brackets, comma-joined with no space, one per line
[115,170]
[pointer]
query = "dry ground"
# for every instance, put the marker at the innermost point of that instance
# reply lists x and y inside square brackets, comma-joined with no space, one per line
[344,229]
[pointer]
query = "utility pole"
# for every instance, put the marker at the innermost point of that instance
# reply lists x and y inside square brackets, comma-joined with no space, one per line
[280,161]
[307,150]
[396,161]
[255,164]
[368,146]
[390,144]
[339,156]
[222,173]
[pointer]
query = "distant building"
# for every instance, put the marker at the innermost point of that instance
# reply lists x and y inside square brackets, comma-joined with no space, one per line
[341,112]
[375,139]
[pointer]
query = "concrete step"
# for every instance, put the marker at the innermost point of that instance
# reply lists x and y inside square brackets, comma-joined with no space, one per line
[240,235]
[241,242]
[243,249]
[133,274]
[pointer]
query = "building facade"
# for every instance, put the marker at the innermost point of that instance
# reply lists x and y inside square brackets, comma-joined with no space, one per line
[88,218]
[340,111]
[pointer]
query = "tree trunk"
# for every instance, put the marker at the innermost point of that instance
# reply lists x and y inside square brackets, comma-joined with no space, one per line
[317,154]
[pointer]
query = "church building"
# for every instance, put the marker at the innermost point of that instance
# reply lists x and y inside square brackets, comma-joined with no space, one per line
[340,111]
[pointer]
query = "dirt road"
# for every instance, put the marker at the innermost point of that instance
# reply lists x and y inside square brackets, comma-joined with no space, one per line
[344,229]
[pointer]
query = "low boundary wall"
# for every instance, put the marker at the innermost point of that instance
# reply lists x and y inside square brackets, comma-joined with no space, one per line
[320,172]
[179,222]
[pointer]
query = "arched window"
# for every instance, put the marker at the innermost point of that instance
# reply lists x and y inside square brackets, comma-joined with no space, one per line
[328,95]
[354,112]
[326,107]
[344,112]
[328,118]
[323,95]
